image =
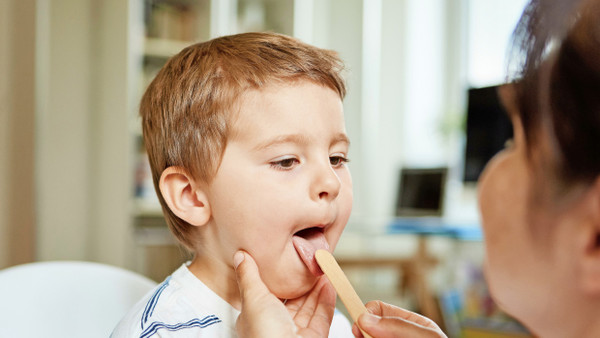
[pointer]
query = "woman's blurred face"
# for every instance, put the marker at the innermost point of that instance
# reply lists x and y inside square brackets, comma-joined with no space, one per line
[504,190]
[524,266]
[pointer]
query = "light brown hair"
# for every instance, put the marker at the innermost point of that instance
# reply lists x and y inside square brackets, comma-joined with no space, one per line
[188,108]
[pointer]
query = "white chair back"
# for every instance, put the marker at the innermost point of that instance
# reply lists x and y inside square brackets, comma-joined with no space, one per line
[66,298]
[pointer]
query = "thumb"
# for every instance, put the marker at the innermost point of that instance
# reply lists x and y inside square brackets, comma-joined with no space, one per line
[248,277]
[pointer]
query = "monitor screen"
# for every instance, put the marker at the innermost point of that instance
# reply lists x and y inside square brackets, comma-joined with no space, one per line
[488,129]
[421,192]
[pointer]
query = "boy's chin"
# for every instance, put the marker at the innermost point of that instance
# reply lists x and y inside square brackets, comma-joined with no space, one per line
[293,289]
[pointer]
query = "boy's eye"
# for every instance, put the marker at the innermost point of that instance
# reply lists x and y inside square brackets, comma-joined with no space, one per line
[284,164]
[337,160]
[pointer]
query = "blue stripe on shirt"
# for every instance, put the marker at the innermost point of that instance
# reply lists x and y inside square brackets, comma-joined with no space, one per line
[149,309]
[201,323]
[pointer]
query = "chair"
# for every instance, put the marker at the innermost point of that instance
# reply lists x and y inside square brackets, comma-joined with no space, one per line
[66,298]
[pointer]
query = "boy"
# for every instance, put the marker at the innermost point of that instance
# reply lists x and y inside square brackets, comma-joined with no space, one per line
[246,140]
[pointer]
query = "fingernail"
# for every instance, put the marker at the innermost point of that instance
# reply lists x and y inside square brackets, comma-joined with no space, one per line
[237,259]
[370,319]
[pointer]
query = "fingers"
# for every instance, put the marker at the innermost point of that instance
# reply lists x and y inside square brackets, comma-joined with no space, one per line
[390,327]
[248,276]
[356,331]
[322,307]
[378,307]
[262,314]
[313,312]
[384,320]
[382,309]
[317,306]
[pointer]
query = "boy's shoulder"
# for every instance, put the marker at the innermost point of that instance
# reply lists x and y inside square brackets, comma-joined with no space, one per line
[180,306]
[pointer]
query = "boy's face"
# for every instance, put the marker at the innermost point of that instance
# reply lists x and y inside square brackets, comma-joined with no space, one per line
[283,188]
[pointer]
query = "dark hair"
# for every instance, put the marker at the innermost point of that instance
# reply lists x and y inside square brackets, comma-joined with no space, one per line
[557,44]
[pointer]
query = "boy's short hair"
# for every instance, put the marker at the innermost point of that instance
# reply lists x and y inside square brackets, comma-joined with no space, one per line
[188,108]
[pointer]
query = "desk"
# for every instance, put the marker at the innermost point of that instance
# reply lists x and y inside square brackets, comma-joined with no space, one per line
[435,227]
[414,269]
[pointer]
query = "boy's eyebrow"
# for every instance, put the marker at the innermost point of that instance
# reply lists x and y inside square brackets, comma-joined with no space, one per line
[281,139]
[298,139]
[341,138]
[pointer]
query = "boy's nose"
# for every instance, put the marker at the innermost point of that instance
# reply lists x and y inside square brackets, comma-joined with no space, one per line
[326,184]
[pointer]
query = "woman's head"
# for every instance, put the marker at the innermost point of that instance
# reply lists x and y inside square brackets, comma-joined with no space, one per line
[540,198]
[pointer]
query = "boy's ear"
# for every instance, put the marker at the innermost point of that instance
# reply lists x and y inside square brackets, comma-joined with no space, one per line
[184,197]
[590,263]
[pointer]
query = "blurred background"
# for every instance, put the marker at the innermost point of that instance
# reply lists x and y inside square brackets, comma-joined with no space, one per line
[421,112]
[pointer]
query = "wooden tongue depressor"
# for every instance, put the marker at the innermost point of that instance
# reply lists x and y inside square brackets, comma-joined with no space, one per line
[341,284]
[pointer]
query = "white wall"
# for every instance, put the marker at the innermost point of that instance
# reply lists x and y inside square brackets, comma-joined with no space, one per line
[115,103]
[490,23]
[83,149]
[63,129]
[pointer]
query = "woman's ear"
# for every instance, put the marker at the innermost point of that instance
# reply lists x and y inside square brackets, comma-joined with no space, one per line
[185,199]
[590,263]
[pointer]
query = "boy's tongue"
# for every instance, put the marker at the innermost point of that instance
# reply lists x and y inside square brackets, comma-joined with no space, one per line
[307,242]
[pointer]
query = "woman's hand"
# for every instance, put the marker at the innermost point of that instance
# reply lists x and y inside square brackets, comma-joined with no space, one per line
[388,321]
[264,315]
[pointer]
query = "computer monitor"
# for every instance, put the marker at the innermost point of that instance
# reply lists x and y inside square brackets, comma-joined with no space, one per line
[488,129]
[421,192]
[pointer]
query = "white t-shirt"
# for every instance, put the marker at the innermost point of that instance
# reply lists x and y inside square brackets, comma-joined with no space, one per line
[183,306]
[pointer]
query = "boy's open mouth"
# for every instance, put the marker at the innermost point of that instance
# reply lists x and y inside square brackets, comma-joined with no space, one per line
[307,242]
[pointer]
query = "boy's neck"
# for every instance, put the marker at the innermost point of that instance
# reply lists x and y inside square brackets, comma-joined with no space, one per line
[217,276]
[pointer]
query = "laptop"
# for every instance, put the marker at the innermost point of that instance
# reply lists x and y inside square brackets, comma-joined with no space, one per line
[421,192]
